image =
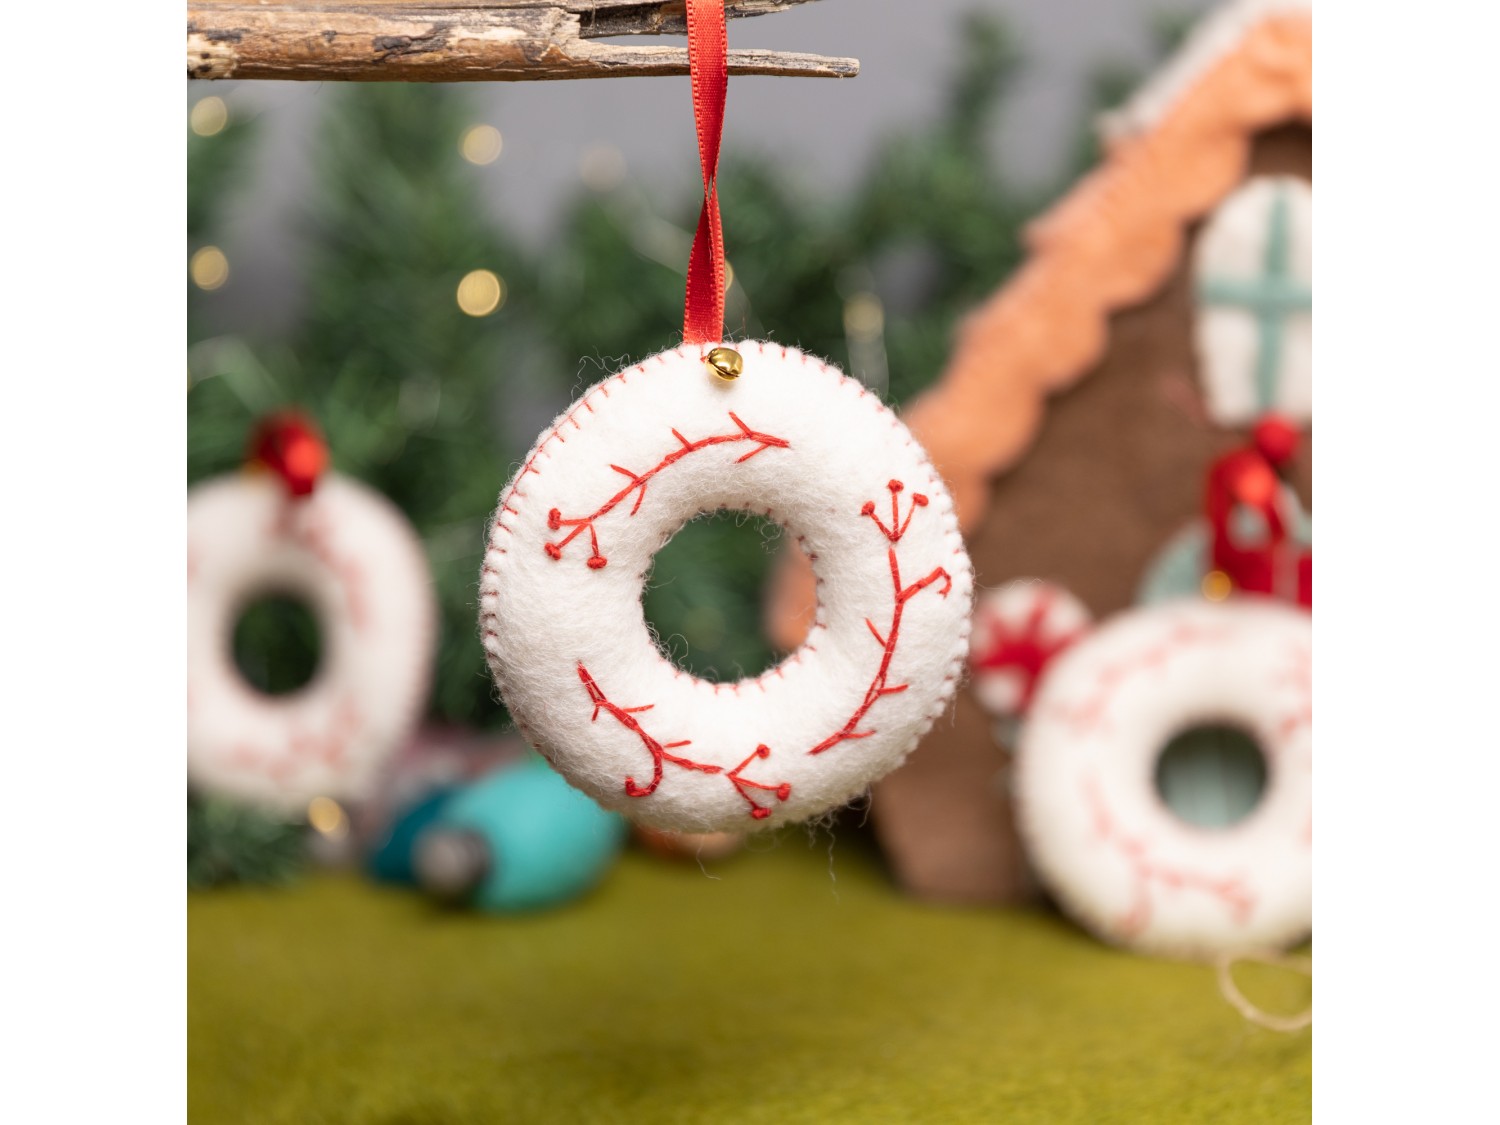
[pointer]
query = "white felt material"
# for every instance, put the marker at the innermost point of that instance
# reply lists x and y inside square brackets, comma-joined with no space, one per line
[1228,338]
[354,558]
[1095,827]
[642,453]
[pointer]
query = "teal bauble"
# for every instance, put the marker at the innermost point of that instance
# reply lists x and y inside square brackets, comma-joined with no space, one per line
[518,839]
[392,860]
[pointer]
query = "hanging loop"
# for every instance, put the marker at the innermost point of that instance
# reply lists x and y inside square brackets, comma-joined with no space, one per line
[708,51]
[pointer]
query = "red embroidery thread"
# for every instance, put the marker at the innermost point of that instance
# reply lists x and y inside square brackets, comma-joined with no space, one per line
[1229,890]
[639,481]
[1090,715]
[878,689]
[661,752]
[1299,678]
[304,748]
[307,522]
[898,527]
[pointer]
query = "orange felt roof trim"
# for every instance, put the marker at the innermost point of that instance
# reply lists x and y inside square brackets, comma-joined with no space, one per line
[1110,243]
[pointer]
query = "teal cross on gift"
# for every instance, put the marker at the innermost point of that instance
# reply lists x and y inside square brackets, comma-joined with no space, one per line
[1272,297]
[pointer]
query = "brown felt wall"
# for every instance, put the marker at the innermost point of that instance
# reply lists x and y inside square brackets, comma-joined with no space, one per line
[1116,469]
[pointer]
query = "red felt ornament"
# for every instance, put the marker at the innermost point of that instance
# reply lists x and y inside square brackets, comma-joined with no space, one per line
[1276,438]
[1018,631]
[1246,480]
[291,446]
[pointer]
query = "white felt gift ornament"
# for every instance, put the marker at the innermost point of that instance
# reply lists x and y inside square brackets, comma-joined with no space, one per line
[1253,274]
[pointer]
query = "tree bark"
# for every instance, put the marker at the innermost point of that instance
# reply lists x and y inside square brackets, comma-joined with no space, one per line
[429,41]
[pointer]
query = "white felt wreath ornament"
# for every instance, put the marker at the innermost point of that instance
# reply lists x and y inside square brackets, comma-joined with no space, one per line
[353,557]
[634,459]
[1093,822]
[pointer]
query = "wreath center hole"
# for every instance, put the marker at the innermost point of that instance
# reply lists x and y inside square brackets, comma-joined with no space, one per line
[1212,775]
[704,597]
[277,644]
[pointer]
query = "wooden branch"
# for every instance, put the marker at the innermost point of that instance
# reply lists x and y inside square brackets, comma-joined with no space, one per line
[462,40]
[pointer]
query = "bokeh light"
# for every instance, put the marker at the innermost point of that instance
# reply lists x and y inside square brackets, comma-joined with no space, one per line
[327,816]
[481,144]
[209,268]
[864,315]
[1216,585]
[480,293]
[208,116]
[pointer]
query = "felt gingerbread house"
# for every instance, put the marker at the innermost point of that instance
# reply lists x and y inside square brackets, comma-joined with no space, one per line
[1163,309]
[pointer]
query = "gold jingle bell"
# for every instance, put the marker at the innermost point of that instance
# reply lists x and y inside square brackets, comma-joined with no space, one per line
[726,363]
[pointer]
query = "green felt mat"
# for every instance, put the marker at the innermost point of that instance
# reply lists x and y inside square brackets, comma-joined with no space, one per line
[768,993]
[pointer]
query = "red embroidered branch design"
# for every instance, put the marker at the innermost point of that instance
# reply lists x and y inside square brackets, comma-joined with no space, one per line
[639,481]
[1298,677]
[1230,890]
[304,748]
[305,521]
[662,753]
[1090,715]
[879,688]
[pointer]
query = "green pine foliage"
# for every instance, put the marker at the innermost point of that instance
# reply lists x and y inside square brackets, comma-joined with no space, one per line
[230,843]
[214,163]
[410,390]
[1112,82]
[435,408]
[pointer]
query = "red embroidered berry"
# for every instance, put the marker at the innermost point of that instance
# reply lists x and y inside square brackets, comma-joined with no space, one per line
[895,486]
[868,509]
[598,562]
[759,813]
[553,551]
[554,519]
[762,751]
[919,500]
[783,791]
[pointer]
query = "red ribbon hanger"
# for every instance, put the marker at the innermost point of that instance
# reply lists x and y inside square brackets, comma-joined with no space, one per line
[708,61]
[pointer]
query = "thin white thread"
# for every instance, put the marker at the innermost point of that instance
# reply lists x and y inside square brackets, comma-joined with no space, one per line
[1223,972]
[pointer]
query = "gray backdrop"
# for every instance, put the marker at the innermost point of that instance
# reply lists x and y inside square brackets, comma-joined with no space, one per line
[823,130]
